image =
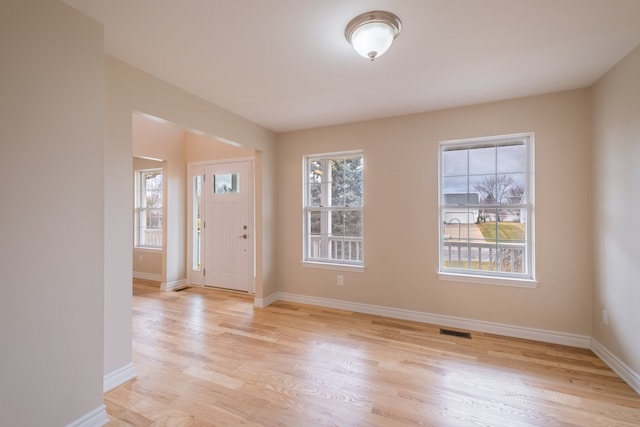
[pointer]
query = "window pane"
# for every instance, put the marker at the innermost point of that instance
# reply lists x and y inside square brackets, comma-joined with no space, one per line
[454,216]
[153,199]
[152,188]
[453,185]
[154,218]
[196,221]
[455,161]
[337,226]
[353,223]
[510,258]
[346,223]
[460,199]
[515,190]
[482,160]
[491,189]
[352,182]
[346,185]
[314,222]
[314,193]
[337,181]
[226,183]
[512,158]
[151,227]
[316,171]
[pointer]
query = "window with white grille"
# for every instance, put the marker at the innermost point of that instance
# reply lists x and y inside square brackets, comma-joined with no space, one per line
[486,207]
[333,208]
[148,208]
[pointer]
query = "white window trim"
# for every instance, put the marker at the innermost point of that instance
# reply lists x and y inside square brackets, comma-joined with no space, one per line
[333,266]
[491,278]
[329,263]
[487,280]
[150,249]
[138,209]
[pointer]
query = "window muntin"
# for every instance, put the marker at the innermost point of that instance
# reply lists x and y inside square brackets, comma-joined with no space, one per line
[486,202]
[148,212]
[333,208]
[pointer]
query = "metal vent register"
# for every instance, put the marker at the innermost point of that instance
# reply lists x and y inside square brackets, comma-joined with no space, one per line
[455,333]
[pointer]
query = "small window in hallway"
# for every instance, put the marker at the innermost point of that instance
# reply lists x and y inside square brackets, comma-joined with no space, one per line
[148,208]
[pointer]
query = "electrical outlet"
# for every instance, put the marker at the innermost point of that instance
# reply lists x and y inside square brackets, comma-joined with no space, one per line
[340,279]
[605,316]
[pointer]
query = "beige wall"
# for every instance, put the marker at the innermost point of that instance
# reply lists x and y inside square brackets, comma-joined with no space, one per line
[201,148]
[130,90]
[140,163]
[616,192]
[53,74]
[401,213]
[147,263]
[51,227]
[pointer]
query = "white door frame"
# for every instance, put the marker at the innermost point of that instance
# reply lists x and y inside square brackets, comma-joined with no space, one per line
[195,276]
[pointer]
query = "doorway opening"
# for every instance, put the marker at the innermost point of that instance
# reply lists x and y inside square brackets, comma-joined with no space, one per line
[178,147]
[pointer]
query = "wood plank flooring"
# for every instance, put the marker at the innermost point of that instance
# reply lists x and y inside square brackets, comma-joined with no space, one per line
[209,358]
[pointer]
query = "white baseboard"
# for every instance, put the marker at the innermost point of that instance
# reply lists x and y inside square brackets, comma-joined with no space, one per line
[147,276]
[174,286]
[618,366]
[117,377]
[264,302]
[552,337]
[96,418]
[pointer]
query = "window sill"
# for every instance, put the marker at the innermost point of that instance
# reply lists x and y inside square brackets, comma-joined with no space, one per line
[330,266]
[486,280]
[146,249]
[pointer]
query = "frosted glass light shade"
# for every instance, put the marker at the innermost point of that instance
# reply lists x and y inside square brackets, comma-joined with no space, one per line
[371,34]
[372,40]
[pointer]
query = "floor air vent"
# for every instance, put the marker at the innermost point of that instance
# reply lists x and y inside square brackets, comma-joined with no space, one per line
[455,333]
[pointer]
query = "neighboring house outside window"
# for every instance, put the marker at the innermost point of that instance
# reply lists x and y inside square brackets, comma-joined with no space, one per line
[333,208]
[148,208]
[486,204]
[461,214]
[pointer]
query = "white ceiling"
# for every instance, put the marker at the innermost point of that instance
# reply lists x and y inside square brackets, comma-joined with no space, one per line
[286,65]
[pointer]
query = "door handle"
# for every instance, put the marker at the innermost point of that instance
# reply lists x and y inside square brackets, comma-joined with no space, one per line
[244,236]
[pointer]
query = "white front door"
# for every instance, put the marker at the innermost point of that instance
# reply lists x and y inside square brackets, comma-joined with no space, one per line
[228,230]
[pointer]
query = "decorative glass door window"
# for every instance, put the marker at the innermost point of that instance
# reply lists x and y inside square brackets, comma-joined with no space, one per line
[226,183]
[197,222]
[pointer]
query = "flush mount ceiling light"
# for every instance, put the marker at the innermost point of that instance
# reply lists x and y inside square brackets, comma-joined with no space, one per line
[372,33]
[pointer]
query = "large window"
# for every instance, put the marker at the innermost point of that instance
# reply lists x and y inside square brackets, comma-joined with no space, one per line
[486,207]
[333,208]
[148,208]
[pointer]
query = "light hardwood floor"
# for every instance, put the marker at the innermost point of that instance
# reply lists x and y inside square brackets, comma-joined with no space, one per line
[209,358]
